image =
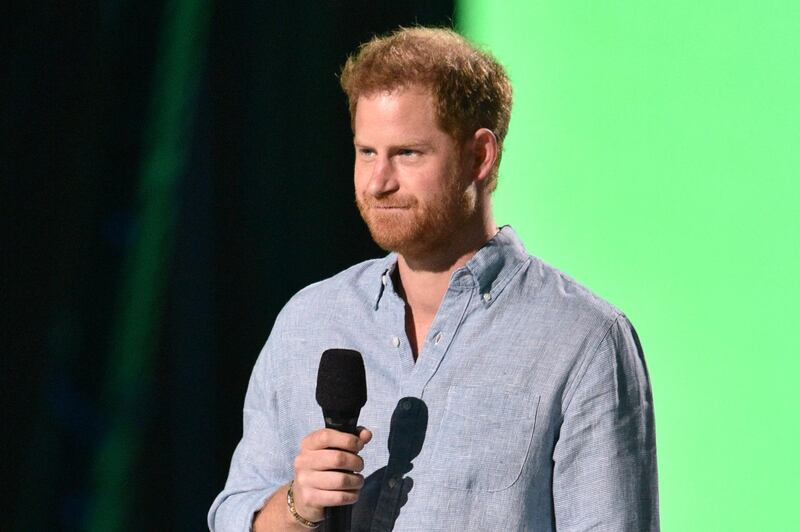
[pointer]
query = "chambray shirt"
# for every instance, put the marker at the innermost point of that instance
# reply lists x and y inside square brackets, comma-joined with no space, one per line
[528,408]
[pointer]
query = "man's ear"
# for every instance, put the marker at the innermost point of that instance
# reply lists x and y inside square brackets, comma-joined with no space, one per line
[484,154]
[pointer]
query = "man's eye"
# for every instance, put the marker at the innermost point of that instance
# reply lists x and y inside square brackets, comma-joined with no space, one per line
[407,153]
[366,152]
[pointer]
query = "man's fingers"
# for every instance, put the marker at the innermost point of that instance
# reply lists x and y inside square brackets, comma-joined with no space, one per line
[311,500]
[327,498]
[327,460]
[332,439]
[364,435]
[326,470]
[331,480]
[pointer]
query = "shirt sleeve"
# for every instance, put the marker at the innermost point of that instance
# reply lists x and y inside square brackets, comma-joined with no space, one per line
[604,476]
[259,465]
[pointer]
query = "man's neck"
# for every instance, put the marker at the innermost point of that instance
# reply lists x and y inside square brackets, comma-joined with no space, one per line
[424,277]
[423,280]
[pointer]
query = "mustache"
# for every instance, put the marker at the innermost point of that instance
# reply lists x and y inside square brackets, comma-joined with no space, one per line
[396,202]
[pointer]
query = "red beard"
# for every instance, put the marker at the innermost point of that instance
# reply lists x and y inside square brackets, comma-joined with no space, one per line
[403,224]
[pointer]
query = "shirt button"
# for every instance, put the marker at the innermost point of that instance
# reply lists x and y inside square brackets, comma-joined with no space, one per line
[383,280]
[487,297]
[406,405]
[395,341]
[437,338]
[392,482]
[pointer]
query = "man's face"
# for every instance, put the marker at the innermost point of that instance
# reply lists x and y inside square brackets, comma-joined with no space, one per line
[412,181]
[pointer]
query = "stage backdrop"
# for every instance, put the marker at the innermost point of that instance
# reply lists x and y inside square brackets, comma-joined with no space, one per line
[654,156]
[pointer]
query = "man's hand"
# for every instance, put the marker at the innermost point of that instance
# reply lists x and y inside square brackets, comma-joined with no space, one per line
[326,472]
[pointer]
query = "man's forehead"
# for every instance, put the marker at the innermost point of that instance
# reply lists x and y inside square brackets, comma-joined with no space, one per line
[410,109]
[396,90]
[405,115]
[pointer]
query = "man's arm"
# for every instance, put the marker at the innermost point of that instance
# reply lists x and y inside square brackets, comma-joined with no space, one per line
[259,463]
[263,461]
[605,458]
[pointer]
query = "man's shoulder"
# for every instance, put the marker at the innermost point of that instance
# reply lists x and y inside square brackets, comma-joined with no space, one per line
[563,295]
[546,294]
[358,282]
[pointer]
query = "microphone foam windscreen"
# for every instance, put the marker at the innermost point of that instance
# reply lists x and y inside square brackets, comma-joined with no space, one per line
[341,381]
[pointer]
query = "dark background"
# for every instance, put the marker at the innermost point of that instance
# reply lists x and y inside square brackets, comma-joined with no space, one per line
[262,206]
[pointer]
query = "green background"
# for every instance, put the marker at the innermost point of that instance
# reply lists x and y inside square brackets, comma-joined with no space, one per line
[654,155]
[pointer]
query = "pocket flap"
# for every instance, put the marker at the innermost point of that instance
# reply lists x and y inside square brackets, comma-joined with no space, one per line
[495,403]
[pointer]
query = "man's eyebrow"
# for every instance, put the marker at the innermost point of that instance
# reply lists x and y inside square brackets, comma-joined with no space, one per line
[411,143]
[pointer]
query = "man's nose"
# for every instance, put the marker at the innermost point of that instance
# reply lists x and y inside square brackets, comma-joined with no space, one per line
[383,180]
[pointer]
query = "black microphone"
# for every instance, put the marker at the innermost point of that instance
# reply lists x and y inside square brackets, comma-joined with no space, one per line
[341,392]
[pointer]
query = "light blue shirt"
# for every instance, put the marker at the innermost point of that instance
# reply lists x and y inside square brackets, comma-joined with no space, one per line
[529,407]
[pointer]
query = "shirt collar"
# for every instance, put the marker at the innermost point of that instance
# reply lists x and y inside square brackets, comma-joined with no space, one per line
[489,270]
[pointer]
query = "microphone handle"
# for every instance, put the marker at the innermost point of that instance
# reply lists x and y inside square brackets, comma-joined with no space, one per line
[337,518]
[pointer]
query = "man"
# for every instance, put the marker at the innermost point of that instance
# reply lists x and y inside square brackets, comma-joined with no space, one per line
[502,394]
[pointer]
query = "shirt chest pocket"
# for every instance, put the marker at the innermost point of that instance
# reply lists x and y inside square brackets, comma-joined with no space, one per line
[484,437]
